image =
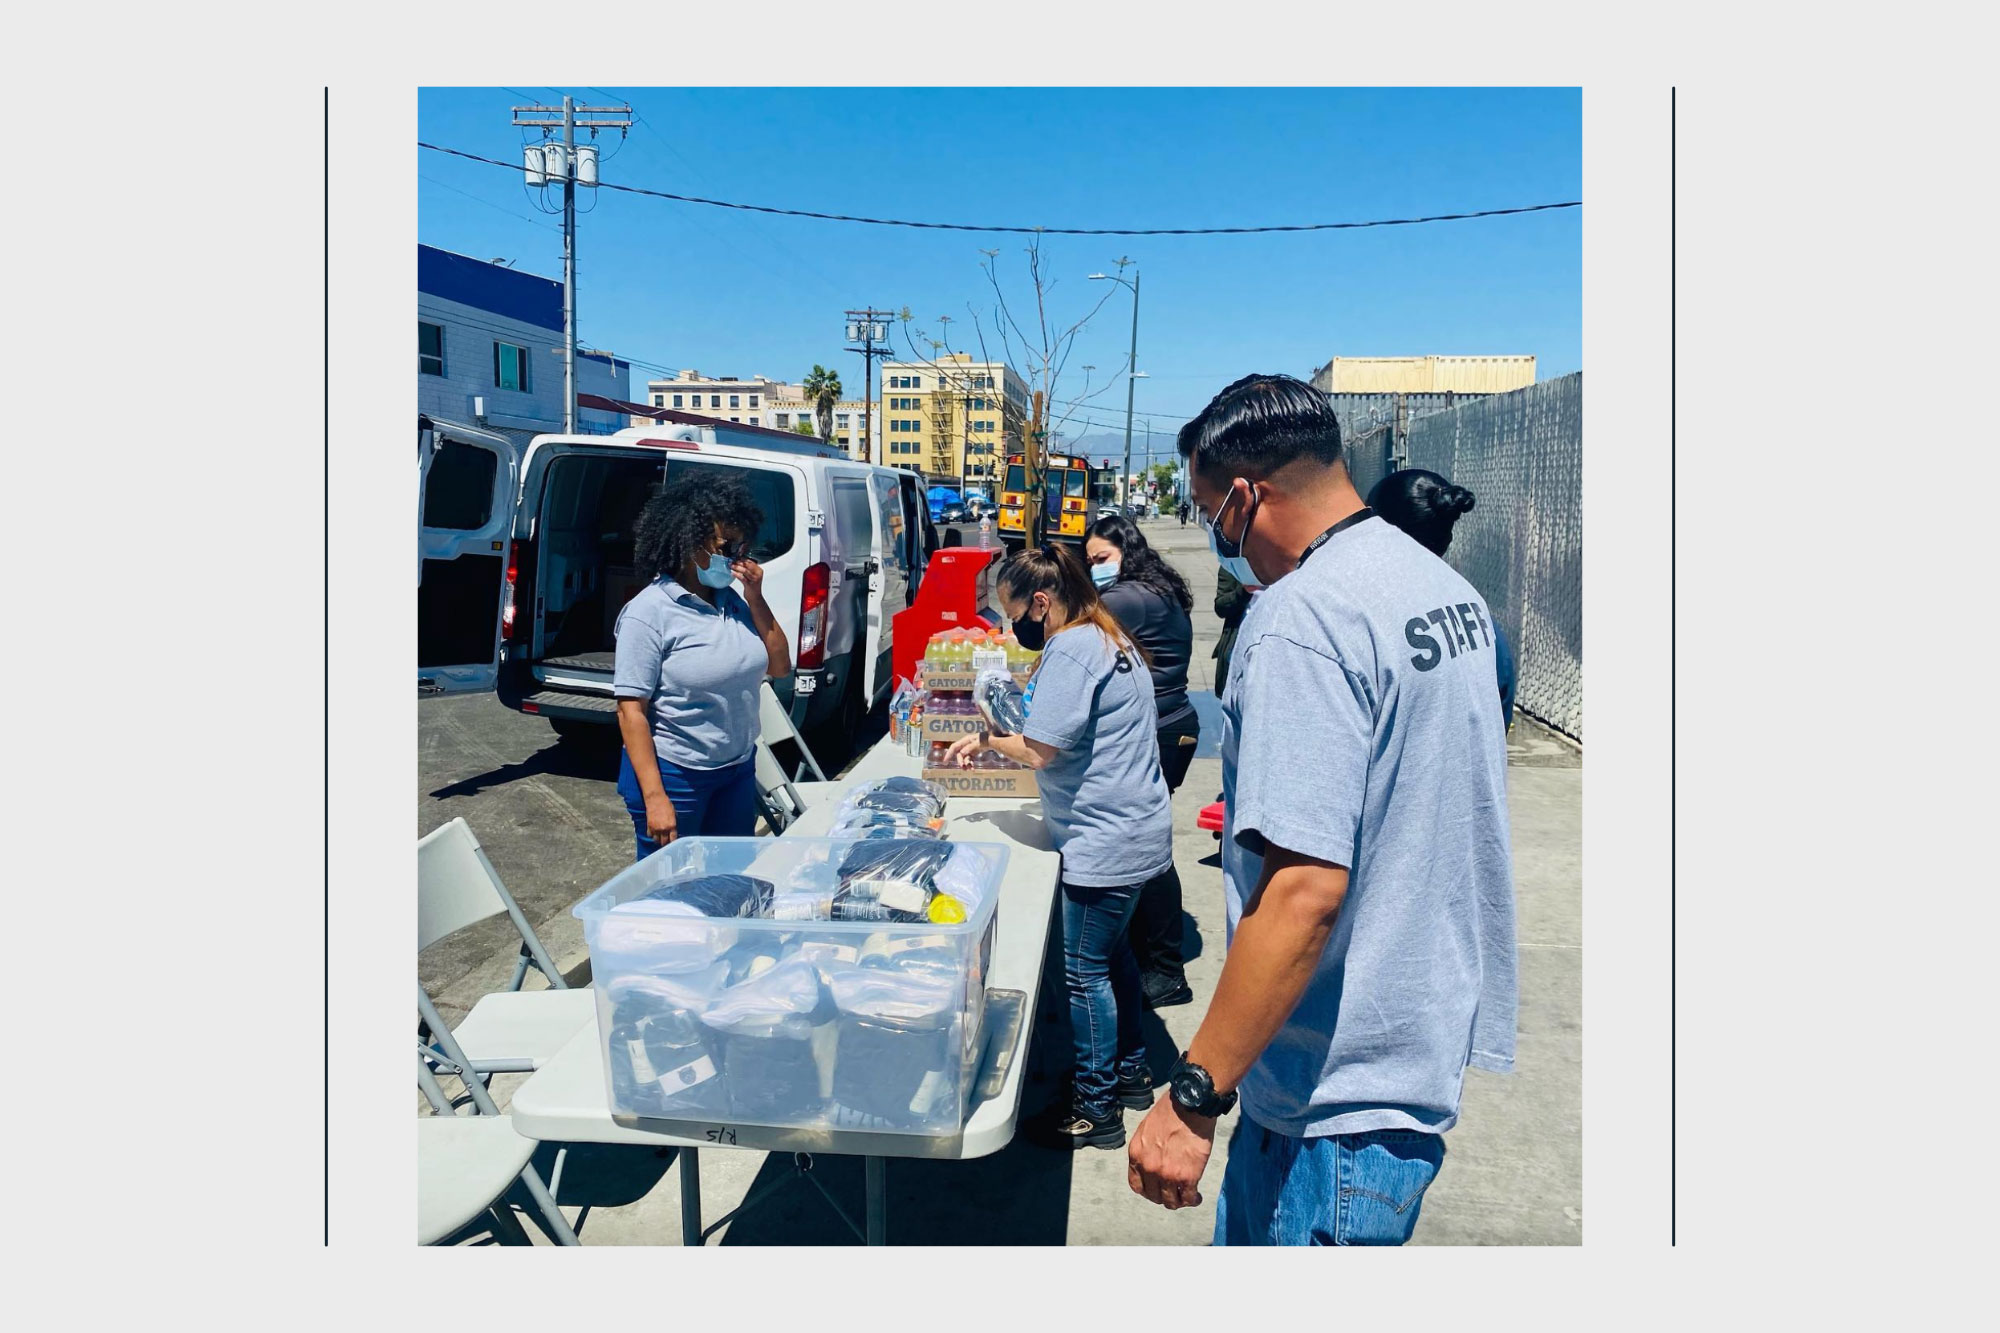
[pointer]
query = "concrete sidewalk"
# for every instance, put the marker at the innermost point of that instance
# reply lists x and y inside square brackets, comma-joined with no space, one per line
[555,830]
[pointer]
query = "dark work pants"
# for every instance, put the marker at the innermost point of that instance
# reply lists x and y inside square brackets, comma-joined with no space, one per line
[1156,922]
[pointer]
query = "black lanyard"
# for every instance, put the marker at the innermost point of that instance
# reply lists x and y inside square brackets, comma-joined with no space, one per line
[1357,516]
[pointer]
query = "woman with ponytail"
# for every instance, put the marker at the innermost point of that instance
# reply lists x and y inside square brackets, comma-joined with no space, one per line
[1427,507]
[1090,738]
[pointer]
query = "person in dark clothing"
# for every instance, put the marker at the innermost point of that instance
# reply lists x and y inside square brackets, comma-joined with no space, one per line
[1151,601]
[1427,507]
[1232,601]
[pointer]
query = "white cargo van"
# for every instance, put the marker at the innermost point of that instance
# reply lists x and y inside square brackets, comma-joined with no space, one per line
[522,582]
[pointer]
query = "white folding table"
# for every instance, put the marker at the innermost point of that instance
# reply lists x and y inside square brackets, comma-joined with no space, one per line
[566,1100]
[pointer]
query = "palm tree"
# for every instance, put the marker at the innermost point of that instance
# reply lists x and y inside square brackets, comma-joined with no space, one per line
[823,388]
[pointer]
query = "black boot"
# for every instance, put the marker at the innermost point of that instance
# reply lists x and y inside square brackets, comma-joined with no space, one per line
[1137,1093]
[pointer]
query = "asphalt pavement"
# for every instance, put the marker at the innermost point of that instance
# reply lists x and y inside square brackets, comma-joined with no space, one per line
[551,821]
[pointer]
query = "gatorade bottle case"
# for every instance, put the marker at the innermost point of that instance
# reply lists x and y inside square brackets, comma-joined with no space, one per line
[711,1022]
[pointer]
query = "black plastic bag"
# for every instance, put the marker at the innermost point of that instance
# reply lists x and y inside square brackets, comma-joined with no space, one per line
[716,895]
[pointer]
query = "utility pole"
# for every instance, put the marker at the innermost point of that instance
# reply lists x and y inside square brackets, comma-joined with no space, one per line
[1131,380]
[538,166]
[1132,373]
[569,267]
[868,327]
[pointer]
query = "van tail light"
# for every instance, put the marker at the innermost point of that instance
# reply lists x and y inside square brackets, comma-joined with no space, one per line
[812,616]
[507,621]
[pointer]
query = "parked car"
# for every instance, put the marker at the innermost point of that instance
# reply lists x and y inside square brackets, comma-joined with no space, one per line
[955,513]
[842,545]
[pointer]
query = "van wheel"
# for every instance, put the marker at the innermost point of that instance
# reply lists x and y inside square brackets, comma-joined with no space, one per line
[853,709]
[582,734]
[837,738]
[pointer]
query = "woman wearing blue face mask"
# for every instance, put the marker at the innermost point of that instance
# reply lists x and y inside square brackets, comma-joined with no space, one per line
[692,653]
[1152,601]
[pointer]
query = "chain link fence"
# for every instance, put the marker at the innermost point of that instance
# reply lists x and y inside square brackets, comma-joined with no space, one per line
[1521,455]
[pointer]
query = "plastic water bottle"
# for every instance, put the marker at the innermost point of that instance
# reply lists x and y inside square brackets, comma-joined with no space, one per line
[985,532]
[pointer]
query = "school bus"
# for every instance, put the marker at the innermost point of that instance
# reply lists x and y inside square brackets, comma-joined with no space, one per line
[1065,499]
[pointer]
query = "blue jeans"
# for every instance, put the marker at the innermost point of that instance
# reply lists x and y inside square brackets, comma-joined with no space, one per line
[719,802]
[1343,1189]
[1104,993]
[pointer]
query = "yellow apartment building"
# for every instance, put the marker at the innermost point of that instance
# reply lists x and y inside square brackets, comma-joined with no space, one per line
[952,420]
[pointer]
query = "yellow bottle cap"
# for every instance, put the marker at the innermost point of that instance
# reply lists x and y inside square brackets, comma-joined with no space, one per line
[946,910]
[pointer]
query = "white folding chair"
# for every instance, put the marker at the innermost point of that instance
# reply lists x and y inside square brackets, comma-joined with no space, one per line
[466,1164]
[775,724]
[780,800]
[513,1030]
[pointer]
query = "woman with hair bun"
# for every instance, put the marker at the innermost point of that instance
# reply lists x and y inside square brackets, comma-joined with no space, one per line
[1428,507]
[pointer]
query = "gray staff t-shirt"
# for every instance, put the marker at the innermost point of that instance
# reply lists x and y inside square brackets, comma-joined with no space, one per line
[1103,795]
[698,666]
[1362,727]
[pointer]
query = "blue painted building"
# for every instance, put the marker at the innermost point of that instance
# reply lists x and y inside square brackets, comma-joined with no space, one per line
[489,350]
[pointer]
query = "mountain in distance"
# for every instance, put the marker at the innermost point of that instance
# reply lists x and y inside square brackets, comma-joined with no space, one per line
[1099,445]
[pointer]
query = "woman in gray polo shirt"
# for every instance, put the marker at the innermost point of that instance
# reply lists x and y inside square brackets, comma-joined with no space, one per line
[691,655]
[1089,735]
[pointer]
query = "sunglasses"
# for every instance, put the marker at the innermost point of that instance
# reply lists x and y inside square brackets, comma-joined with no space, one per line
[733,550]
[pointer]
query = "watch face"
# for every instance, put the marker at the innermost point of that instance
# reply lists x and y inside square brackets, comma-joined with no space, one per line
[1190,1089]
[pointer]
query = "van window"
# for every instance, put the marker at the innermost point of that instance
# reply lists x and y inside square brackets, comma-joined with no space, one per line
[458,493]
[850,507]
[772,492]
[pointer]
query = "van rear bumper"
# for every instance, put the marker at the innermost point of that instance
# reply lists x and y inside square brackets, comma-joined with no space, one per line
[517,688]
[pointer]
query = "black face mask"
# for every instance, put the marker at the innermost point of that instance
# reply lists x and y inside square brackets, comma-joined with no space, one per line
[1031,633]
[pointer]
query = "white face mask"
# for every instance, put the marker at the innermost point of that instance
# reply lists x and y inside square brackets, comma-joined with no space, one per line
[1104,574]
[1237,565]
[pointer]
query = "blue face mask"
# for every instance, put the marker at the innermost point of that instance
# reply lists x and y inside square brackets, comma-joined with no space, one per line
[715,574]
[1238,567]
[1104,575]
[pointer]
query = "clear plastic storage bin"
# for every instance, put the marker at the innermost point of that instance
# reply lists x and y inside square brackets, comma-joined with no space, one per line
[785,1018]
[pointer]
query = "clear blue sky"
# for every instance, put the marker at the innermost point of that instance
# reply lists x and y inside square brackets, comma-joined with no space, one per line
[728,292]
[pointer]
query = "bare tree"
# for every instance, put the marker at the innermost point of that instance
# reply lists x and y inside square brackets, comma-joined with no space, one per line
[1035,347]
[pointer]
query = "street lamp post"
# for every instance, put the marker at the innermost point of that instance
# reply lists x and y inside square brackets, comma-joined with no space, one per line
[1132,373]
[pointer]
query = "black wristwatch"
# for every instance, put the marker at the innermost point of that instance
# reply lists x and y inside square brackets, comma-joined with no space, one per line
[1194,1090]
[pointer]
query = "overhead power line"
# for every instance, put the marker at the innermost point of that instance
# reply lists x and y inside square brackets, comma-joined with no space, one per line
[1044,231]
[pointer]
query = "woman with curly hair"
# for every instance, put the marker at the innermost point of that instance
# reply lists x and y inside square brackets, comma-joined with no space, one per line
[692,653]
[1152,601]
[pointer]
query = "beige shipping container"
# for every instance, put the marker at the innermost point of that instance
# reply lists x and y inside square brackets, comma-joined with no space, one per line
[1425,374]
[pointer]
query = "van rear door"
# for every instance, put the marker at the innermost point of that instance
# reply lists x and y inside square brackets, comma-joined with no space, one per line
[913,531]
[890,590]
[466,510]
[856,514]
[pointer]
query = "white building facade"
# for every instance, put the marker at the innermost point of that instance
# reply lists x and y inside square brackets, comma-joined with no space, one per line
[489,350]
